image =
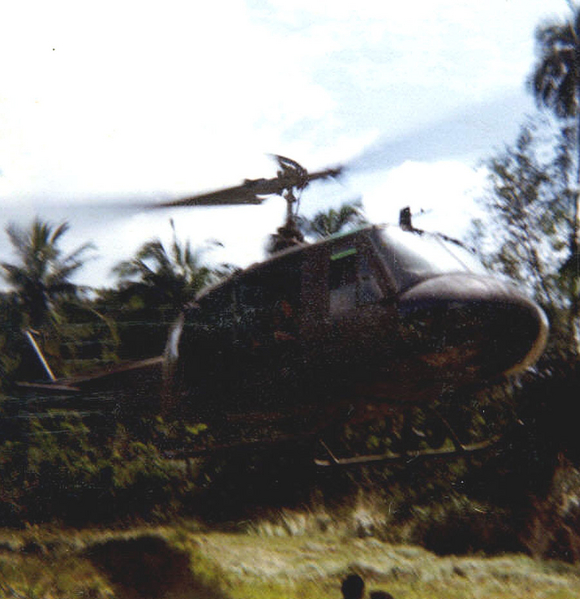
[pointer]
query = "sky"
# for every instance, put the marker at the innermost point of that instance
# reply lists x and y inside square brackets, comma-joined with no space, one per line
[107,104]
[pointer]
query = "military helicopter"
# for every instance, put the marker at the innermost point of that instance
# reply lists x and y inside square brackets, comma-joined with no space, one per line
[357,326]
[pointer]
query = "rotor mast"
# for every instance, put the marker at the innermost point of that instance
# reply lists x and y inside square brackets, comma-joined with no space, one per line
[290,180]
[294,178]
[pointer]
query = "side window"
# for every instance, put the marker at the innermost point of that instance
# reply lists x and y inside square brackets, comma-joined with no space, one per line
[352,281]
[369,290]
[342,281]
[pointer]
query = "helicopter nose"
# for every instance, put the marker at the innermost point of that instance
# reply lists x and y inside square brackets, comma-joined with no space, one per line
[472,325]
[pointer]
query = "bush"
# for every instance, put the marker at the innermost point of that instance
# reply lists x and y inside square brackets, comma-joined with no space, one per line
[69,476]
[554,527]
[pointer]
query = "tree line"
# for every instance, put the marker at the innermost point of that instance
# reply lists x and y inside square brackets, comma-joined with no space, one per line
[533,192]
[79,327]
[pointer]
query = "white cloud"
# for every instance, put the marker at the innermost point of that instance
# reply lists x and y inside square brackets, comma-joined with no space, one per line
[97,106]
[145,99]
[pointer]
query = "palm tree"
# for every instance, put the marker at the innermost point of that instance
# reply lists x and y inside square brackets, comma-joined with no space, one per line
[329,222]
[41,277]
[555,78]
[154,285]
[168,277]
[555,83]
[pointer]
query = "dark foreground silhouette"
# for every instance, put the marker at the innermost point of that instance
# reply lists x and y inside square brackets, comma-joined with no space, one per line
[353,587]
[148,567]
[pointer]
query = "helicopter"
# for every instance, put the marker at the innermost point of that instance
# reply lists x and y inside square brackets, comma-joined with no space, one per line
[354,327]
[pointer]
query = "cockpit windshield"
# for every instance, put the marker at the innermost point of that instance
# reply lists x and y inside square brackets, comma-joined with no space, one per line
[412,256]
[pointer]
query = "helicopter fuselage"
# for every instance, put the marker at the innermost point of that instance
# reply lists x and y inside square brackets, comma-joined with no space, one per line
[381,315]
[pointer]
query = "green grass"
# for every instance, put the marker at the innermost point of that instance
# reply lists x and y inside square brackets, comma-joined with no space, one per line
[48,563]
[295,567]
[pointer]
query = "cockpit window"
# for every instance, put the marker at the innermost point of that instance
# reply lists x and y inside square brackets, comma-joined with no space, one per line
[352,281]
[413,256]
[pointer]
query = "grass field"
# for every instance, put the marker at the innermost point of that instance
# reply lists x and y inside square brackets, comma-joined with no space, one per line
[182,561]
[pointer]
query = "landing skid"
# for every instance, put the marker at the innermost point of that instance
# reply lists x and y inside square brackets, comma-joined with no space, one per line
[332,460]
[429,437]
[408,456]
[436,438]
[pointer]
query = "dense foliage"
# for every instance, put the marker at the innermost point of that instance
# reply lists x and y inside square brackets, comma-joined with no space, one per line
[555,83]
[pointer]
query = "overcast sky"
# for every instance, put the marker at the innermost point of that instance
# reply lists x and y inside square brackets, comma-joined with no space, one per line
[107,101]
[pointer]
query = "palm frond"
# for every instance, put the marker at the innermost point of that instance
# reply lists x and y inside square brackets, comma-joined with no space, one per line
[40,273]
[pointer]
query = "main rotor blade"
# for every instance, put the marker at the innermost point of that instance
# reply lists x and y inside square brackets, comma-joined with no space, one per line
[251,191]
[471,132]
[247,193]
[328,173]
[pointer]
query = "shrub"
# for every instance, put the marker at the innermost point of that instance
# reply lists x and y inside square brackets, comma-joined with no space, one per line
[72,476]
